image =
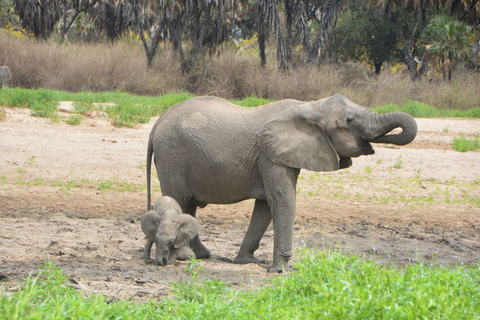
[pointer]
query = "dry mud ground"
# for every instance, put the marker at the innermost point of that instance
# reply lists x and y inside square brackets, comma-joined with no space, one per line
[74,195]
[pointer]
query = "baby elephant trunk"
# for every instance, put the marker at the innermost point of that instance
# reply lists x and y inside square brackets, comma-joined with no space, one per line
[161,258]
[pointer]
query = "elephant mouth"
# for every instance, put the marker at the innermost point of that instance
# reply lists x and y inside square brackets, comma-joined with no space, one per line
[367,148]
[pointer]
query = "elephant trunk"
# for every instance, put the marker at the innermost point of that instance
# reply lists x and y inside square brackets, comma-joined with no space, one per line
[381,124]
[161,258]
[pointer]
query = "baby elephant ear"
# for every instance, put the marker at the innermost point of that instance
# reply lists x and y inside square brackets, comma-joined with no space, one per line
[187,228]
[296,138]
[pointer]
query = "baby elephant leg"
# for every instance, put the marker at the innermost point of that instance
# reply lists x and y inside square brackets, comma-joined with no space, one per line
[185,253]
[148,248]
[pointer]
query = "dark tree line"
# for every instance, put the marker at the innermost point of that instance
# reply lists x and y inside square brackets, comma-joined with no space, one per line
[374,31]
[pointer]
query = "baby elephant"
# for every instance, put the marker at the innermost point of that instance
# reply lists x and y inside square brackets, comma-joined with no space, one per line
[170,230]
[5,75]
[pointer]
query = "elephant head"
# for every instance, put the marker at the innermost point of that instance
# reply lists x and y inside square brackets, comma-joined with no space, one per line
[169,231]
[324,135]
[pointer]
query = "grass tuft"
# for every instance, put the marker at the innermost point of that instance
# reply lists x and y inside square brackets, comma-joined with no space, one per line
[463,144]
[74,120]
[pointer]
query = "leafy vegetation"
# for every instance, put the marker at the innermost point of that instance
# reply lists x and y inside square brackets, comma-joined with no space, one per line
[361,35]
[463,144]
[74,120]
[301,34]
[252,101]
[422,110]
[326,284]
[126,110]
[449,42]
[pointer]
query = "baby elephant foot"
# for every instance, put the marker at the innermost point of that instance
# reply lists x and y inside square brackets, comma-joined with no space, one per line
[185,253]
[244,259]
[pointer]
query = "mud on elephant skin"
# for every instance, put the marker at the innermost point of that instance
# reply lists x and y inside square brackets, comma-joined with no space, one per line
[170,230]
[208,150]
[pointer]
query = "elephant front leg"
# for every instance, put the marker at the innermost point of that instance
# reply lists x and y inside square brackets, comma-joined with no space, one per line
[281,196]
[259,222]
[283,220]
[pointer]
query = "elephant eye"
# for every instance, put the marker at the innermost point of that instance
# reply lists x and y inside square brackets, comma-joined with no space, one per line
[350,119]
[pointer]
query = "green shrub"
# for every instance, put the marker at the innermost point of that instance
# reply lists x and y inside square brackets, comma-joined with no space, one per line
[128,114]
[463,144]
[84,107]
[74,120]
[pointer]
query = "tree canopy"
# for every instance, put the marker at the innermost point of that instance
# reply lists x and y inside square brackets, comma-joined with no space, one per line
[302,31]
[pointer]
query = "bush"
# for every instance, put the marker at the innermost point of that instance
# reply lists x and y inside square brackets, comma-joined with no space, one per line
[463,144]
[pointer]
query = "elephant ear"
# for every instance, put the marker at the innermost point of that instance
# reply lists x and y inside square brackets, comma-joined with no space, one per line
[187,228]
[150,222]
[296,138]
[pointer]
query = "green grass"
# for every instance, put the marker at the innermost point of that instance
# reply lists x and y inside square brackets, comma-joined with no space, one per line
[101,184]
[252,101]
[126,110]
[422,110]
[326,285]
[74,120]
[463,144]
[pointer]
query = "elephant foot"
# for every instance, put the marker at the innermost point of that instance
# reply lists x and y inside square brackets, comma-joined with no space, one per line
[185,253]
[246,259]
[146,257]
[279,267]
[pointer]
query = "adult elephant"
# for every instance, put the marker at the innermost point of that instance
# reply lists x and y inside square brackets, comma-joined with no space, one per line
[208,150]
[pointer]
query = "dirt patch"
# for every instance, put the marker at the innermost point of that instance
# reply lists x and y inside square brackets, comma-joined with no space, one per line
[73,195]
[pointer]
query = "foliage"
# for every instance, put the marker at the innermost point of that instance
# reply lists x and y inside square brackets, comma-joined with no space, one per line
[252,101]
[463,144]
[74,120]
[422,110]
[448,42]
[42,102]
[363,35]
[126,110]
[38,16]
[326,284]
[301,29]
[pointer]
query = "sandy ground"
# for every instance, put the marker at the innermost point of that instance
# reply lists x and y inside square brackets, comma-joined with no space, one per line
[74,195]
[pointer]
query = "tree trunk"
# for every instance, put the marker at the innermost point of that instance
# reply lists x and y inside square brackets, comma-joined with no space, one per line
[261,45]
[409,43]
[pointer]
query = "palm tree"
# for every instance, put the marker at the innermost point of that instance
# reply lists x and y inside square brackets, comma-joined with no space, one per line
[448,42]
[205,23]
[266,18]
[38,16]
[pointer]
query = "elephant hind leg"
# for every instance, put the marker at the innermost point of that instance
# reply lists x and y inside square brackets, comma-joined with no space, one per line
[259,223]
[201,252]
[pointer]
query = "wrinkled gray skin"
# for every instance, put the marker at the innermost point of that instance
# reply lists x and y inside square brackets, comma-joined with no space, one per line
[5,75]
[170,230]
[208,150]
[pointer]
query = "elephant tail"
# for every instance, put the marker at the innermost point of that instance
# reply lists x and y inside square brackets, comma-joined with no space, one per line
[149,170]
